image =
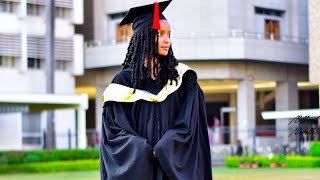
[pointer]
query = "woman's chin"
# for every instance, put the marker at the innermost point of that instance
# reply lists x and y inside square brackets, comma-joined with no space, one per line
[163,54]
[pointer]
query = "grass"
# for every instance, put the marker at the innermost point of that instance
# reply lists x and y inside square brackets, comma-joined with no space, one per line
[266,173]
[219,174]
[83,175]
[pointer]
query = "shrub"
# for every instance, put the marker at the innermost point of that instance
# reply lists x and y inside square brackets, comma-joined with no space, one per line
[262,160]
[302,161]
[294,161]
[46,167]
[233,161]
[281,159]
[3,160]
[315,149]
[249,160]
[22,157]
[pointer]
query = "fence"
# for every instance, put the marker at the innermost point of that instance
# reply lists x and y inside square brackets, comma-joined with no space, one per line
[233,33]
[263,140]
[65,140]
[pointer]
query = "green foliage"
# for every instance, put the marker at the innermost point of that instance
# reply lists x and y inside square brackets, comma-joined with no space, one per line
[233,161]
[281,159]
[273,158]
[315,149]
[262,160]
[3,160]
[248,160]
[22,157]
[293,161]
[302,161]
[46,167]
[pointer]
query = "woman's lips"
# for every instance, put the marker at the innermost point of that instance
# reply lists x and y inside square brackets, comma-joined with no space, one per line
[165,47]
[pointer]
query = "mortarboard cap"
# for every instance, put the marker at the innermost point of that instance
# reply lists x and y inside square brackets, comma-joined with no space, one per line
[143,16]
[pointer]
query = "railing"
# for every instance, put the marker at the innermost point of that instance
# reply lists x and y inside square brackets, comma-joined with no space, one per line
[37,140]
[58,3]
[215,35]
[264,138]
[263,141]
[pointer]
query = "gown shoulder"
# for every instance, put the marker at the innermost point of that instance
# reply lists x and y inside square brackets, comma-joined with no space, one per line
[123,77]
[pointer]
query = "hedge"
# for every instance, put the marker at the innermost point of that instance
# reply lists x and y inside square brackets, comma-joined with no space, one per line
[48,167]
[233,161]
[302,161]
[315,149]
[264,161]
[23,157]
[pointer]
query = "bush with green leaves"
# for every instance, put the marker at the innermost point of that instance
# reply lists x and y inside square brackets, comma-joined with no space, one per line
[293,161]
[49,167]
[315,149]
[262,160]
[302,161]
[233,161]
[248,160]
[23,157]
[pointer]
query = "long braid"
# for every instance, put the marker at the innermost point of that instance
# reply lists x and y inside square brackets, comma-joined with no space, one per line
[154,54]
[145,44]
[134,65]
[150,49]
[157,60]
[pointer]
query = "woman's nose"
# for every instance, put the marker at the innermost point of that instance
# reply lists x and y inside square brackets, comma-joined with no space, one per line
[166,40]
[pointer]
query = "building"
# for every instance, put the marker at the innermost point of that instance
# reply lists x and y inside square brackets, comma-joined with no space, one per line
[23,77]
[250,56]
[314,36]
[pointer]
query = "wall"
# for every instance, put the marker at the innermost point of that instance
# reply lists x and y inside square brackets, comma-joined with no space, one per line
[10,131]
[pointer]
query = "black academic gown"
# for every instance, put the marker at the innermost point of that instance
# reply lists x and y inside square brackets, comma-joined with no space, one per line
[176,129]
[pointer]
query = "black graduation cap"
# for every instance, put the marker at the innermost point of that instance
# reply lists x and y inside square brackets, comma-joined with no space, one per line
[143,16]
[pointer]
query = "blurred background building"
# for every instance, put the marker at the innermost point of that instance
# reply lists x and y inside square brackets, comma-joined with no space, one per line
[23,77]
[250,56]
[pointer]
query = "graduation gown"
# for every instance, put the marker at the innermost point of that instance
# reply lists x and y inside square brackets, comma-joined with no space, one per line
[168,119]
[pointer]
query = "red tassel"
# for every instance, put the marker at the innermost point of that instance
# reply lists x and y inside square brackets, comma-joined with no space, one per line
[156,21]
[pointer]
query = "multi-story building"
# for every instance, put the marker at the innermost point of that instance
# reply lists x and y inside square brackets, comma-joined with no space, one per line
[23,77]
[314,46]
[250,56]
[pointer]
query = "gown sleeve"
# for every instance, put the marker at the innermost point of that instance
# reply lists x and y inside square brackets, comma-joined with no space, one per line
[183,151]
[123,153]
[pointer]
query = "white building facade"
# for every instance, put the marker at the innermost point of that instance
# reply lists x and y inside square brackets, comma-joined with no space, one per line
[250,55]
[22,69]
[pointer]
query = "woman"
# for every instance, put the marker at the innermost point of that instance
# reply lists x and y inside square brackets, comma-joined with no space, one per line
[154,118]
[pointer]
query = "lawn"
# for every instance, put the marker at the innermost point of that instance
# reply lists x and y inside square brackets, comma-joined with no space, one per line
[83,175]
[219,173]
[266,173]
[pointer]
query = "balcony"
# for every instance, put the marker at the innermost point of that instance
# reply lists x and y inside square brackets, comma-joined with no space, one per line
[233,45]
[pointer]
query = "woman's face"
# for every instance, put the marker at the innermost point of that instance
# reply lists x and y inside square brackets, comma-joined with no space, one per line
[164,38]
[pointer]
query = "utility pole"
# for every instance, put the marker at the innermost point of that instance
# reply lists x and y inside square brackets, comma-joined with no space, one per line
[50,67]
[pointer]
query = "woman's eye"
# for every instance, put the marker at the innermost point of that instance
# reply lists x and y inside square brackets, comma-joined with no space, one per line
[161,34]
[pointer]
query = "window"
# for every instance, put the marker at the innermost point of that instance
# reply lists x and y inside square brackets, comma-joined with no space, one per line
[34,9]
[61,65]
[34,63]
[269,22]
[272,29]
[31,129]
[8,61]
[7,6]
[62,12]
[123,33]
[116,33]
[269,12]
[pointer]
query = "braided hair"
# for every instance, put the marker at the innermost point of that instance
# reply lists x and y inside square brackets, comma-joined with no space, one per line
[144,44]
